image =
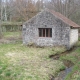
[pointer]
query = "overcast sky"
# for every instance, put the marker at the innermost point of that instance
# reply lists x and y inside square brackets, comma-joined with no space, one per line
[43,0]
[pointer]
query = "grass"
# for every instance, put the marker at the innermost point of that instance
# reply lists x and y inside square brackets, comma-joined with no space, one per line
[79,38]
[11,37]
[74,56]
[19,62]
[11,34]
[11,23]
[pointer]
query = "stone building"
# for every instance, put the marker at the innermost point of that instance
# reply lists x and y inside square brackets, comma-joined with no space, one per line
[50,28]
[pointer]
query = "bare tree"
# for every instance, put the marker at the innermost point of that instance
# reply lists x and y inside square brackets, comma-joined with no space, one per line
[25,9]
[5,12]
[22,10]
[40,5]
[65,7]
[0,18]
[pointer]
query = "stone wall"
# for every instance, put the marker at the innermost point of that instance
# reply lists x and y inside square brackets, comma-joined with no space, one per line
[60,30]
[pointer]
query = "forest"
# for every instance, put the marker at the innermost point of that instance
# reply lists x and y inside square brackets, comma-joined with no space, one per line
[22,10]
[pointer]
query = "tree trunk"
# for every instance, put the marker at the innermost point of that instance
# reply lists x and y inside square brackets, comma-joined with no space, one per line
[0,30]
[0,19]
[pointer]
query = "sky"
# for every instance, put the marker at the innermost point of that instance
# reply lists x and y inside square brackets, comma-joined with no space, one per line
[43,0]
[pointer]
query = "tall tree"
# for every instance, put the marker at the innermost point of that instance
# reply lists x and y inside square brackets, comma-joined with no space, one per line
[66,7]
[0,18]
[39,5]
[25,9]
[5,12]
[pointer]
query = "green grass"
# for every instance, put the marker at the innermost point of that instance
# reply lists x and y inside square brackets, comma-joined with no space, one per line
[11,34]
[74,56]
[11,23]
[79,39]
[11,37]
[19,62]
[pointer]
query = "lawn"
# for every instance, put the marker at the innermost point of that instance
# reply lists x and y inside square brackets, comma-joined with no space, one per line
[12,34]
[11,37]
[19,62]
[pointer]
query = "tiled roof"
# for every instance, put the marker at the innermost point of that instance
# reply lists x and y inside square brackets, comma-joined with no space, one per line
[64,19]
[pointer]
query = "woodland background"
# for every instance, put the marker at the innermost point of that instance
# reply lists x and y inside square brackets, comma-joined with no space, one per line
[12,11]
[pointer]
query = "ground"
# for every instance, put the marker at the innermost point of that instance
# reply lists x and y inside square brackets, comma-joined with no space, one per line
[74,57]
[20,62]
